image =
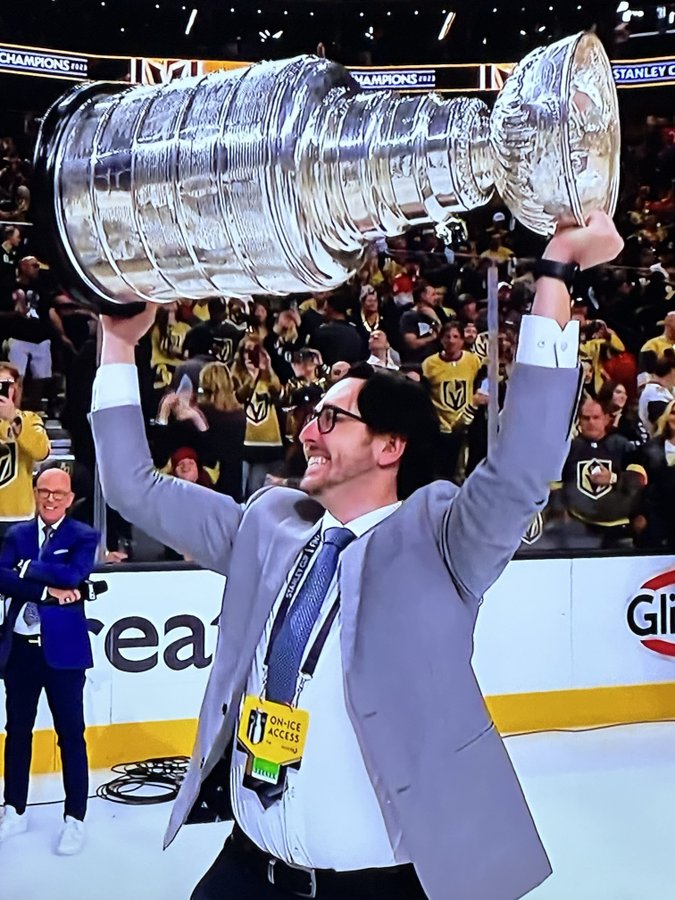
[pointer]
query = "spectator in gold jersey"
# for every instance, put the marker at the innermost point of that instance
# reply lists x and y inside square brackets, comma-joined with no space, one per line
[23,443]
[451,375]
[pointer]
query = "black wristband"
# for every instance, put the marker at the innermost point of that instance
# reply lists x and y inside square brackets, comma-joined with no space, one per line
[549,268]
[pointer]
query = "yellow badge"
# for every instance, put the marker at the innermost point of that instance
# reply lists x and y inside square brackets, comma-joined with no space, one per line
[273,734]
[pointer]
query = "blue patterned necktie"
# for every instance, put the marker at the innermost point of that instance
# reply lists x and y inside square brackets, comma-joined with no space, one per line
[291,641]
[289,645]
[31,614]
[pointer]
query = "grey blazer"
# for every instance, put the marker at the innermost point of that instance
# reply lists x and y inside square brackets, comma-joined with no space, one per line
[411,589]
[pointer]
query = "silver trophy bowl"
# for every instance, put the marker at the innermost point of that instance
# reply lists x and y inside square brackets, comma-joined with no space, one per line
[554,132]
[276,178]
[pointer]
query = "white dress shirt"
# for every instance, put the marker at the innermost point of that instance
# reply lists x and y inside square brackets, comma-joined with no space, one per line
[329,815]
[21,627]
[390,363]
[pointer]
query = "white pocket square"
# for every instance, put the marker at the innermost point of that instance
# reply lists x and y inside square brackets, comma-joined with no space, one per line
[56,552]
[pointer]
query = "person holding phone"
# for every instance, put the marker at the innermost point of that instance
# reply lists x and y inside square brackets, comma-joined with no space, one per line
[23,442]
[258,389]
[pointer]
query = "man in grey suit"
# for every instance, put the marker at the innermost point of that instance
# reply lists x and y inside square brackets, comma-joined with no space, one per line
[347,627]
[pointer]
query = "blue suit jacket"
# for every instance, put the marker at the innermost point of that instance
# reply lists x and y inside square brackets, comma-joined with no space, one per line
[66,559]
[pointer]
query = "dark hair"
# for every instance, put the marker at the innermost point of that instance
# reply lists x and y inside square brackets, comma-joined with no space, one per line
[217,306]
[606,406]
[420,287]
[306,354]
[606,395]
[450,325]
[342,300]
[390,403]
[664,365]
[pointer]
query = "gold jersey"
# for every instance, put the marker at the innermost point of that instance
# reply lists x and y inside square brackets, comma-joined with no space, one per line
[167,352]
[451,386]
[658,345]
[23,443]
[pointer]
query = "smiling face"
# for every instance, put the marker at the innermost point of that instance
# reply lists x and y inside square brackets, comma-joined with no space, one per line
[187,470]
[619,396]
[369,301]
[470,334]
[53,495]
[452,342]
[350,469]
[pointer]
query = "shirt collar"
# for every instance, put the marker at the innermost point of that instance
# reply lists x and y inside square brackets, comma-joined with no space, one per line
[53,527]
[361,524]
[375,361]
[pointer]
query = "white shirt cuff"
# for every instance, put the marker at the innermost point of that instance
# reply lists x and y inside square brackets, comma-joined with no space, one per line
[116,384]
[542,342]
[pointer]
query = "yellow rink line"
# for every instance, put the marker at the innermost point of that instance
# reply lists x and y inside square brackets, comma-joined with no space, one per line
[580,708]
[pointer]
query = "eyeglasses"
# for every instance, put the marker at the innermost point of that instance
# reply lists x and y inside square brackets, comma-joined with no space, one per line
[44,494]
[326,417]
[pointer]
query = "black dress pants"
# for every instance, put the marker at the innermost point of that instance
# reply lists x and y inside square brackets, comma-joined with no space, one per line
[452,443]
[26,677]
[231,877]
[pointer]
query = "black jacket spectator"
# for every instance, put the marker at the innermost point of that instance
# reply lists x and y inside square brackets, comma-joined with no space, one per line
[338,340]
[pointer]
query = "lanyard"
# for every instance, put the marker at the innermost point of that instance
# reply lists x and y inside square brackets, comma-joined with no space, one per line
[292,589]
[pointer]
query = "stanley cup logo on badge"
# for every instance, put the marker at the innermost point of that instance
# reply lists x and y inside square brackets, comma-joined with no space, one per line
[257,722]
[276,178]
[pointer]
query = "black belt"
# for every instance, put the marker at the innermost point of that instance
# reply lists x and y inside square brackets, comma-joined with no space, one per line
[393,880]
[29,638]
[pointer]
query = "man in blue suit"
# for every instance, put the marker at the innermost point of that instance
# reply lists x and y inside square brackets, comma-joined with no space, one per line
[44,645]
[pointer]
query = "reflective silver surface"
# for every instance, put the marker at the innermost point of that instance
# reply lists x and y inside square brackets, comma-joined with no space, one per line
[555,135]
[275,179]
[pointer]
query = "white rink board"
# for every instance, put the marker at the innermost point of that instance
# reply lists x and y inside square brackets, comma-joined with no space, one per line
[547,625]
[160,692]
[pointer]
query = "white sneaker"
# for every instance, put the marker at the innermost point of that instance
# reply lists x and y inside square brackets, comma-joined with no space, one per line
[12,823]
[72,837]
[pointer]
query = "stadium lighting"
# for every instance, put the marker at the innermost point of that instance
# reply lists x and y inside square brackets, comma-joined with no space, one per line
[191,21]
[623,6]
[447,25]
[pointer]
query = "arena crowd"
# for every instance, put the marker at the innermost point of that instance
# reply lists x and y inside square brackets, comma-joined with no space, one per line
[227,383]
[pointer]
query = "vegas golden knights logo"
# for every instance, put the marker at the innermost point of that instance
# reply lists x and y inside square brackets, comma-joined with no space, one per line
[534,531]
[7,464]
[223,350]
[172,343]
[257,408]
[454,395]
[585,485]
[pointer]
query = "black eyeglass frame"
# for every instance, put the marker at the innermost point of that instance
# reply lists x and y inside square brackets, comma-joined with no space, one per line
[334,412]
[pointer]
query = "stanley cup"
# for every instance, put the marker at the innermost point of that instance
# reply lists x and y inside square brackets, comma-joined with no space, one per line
[276,178]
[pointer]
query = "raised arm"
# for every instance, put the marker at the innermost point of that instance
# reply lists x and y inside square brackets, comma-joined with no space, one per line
[193,520]
[485,523]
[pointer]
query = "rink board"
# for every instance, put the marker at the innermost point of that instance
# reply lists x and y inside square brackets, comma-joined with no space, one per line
[554,649]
